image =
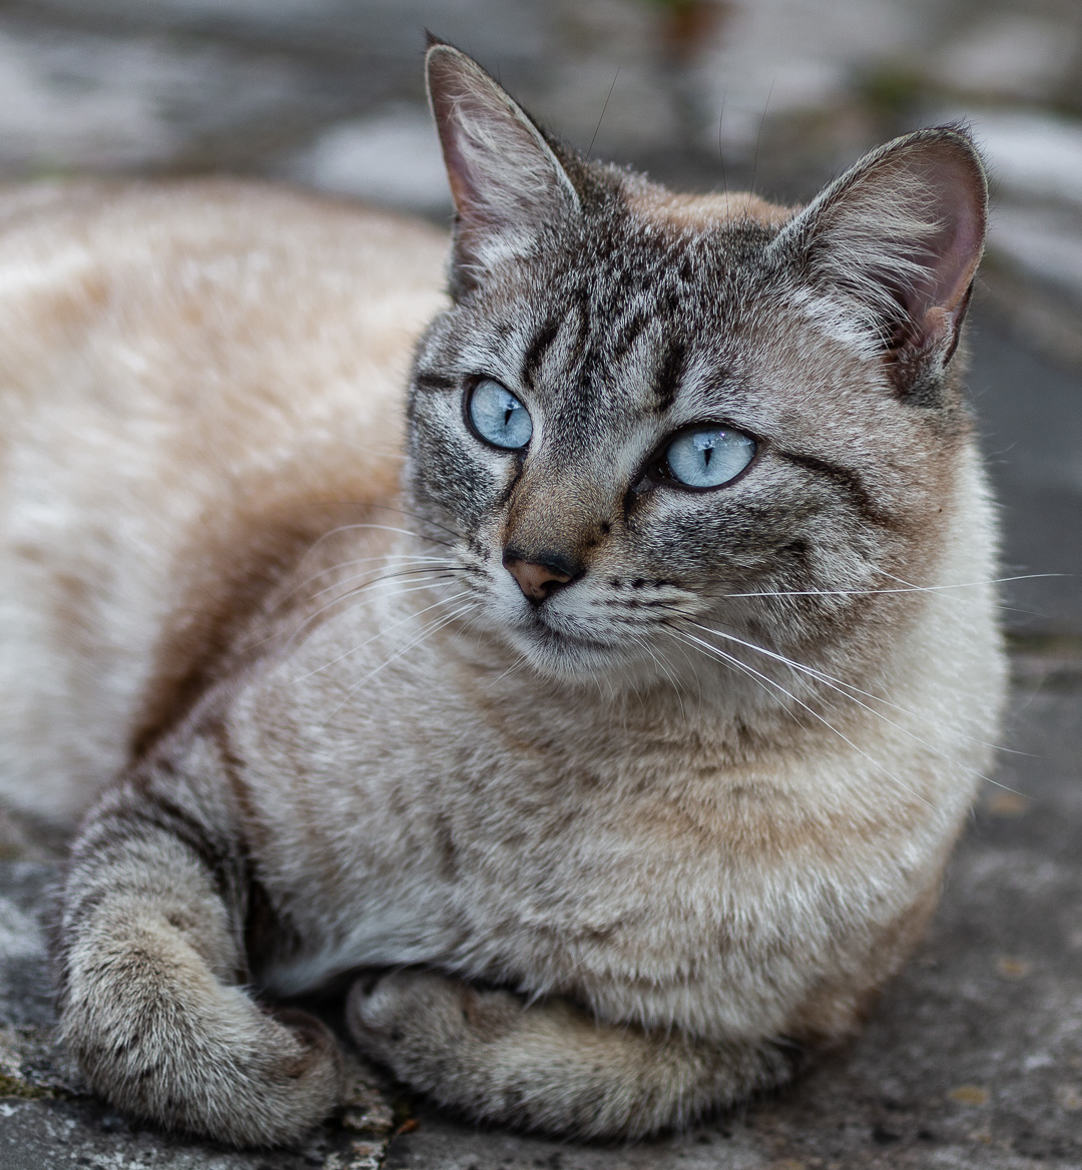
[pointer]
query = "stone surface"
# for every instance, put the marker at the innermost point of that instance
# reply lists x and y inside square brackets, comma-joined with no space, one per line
[973,1059]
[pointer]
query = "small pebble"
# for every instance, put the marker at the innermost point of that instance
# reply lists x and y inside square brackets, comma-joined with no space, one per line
[969,1095]
[1012,967]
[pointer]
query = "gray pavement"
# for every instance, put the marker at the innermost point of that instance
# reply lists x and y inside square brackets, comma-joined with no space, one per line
[973,1058]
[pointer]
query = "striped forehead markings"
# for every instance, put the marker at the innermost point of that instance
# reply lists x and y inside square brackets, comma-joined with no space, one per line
[669,374]
[607,331]
[538,347]
[626,334]
[578,315]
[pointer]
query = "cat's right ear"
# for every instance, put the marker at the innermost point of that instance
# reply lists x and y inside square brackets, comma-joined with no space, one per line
[506,181]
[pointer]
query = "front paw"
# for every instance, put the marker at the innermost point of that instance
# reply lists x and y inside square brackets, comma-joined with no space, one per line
[409,1019]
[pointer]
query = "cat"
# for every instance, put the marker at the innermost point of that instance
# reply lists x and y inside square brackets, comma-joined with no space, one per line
[611,761]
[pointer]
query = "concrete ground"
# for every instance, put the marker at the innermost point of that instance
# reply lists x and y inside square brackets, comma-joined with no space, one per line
[973,1058]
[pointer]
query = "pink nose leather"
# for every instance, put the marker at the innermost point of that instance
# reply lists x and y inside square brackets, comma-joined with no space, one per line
[536,580]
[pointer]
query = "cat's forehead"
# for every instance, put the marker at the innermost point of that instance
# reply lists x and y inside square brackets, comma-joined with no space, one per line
[652,249]
[655,311]
[655,204]
[625,316]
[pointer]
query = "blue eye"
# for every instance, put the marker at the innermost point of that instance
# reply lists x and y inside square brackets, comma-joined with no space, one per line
[708,456]
[497,416]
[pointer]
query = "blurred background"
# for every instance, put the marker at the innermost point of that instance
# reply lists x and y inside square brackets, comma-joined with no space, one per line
[774,95]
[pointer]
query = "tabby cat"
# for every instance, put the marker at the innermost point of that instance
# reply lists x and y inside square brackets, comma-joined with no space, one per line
[613,759]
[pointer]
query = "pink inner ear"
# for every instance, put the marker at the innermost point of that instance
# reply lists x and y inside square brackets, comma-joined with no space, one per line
[502,173]
[449,96]
[945,187]
[903,232]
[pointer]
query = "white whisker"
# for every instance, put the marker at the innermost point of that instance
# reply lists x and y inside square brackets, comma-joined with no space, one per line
[380,633]
[726,657]
[843,688]
[519,662]
[701,647]
[455,536]
[388,559]
[338,530]
[355,591]
[665,669]
[907,587]
[403,571]
[426,632]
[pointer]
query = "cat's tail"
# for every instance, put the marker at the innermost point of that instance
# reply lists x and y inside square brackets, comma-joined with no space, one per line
[150,965]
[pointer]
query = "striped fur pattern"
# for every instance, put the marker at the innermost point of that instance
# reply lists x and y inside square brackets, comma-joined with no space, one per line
[608,793]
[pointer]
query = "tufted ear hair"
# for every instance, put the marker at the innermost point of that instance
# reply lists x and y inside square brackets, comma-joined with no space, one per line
[901,235]
[506,181]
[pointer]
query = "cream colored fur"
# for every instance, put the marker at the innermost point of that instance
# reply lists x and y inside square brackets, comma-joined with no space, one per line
[177,365]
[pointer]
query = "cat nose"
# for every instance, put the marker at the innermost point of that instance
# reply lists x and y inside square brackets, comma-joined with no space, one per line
[540,576]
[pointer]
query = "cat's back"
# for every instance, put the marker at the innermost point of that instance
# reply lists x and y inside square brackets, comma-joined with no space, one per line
[191,375]
[250,283]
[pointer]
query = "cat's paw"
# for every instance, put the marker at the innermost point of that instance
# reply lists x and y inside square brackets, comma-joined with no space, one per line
[195,1056]
[406,1018]
[547,1064]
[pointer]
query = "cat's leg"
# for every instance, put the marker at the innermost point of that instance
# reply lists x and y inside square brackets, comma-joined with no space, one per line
[151,963]
[548,1065]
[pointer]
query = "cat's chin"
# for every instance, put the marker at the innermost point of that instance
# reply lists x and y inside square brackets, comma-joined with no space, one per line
[567,657]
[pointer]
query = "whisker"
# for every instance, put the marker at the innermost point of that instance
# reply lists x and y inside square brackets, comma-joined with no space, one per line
[519,661]
[338,530]
[601,118]
[368,526]
[387,559]
[445,573]
[697,644]
[994,581]
[759,137]
[380,633]
[456,537]
[908,588]
[843,688]
[428,630]
[726,657]
[667,672]
[441,567]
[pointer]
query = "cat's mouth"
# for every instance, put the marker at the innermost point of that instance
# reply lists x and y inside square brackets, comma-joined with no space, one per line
[562,652]
[549,636]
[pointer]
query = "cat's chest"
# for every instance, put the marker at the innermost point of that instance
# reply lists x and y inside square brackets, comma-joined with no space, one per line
[484,857]
[571,858]
[589,819]
[490,836]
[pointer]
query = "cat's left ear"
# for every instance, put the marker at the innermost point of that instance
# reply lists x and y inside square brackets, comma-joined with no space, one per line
[900,236]
[506,181]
